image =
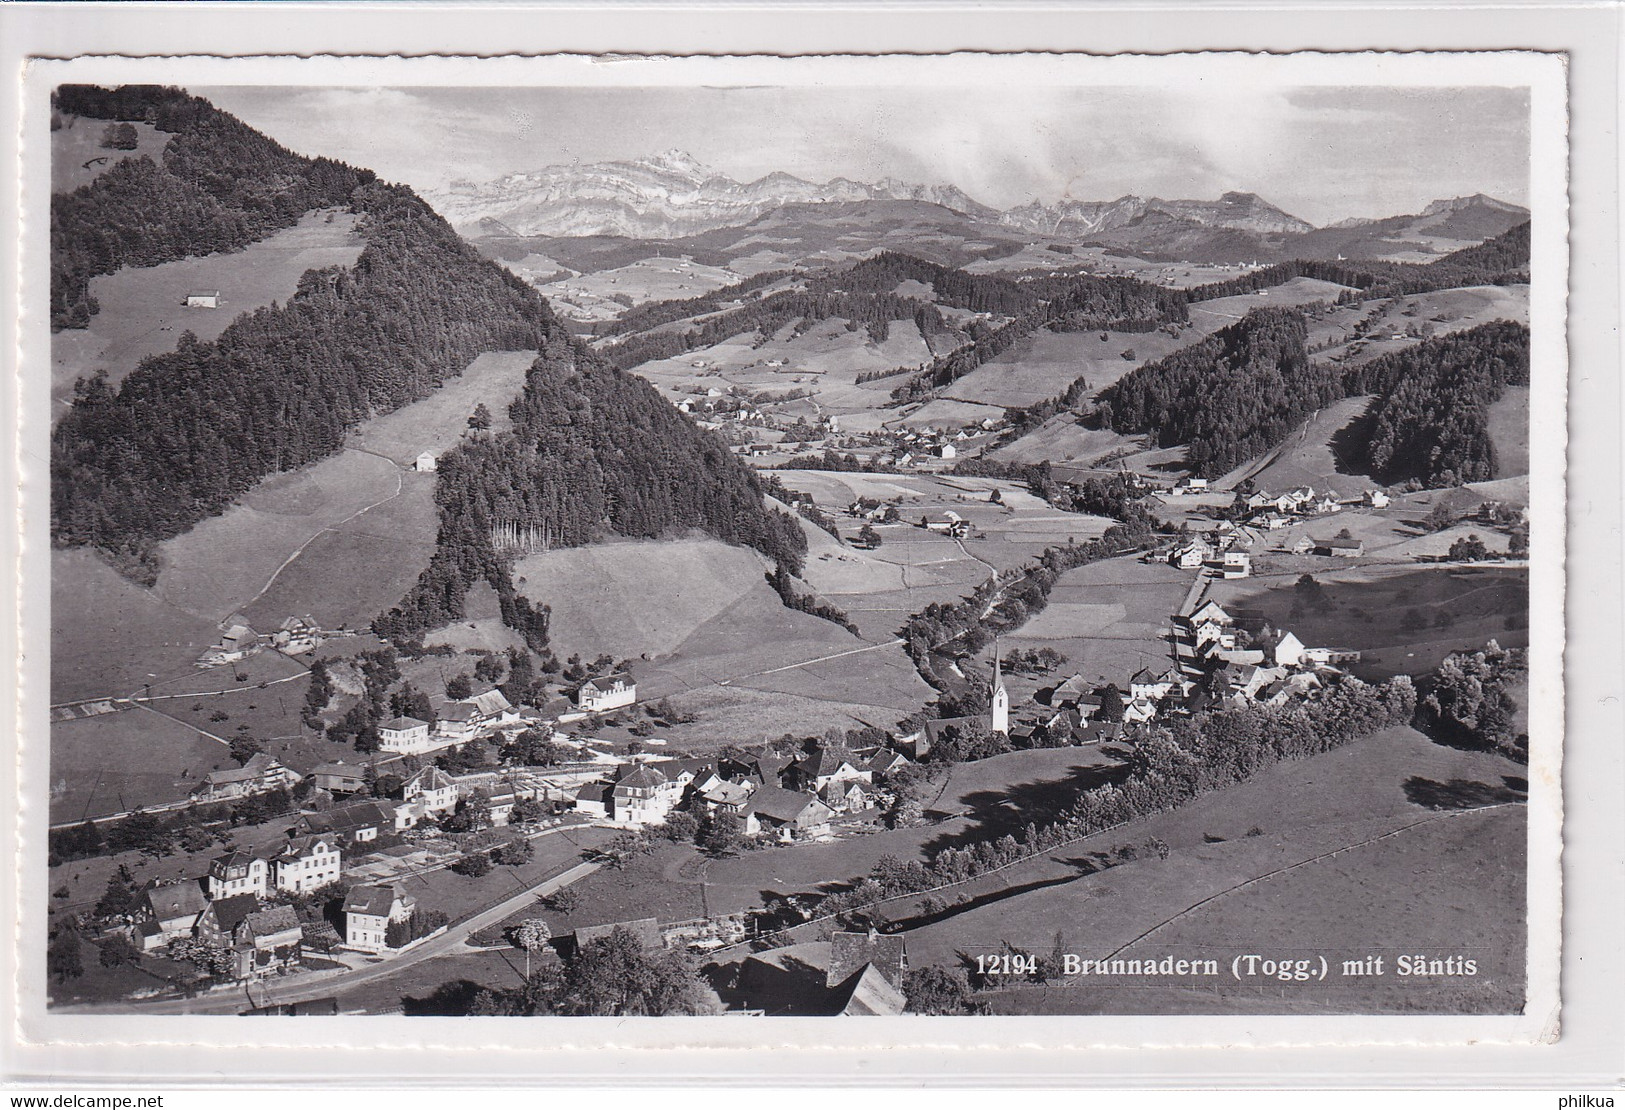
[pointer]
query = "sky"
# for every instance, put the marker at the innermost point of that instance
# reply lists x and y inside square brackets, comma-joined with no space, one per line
[1322,154]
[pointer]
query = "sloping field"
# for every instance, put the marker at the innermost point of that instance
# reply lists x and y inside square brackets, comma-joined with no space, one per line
[948,414]
[440,420]
[1046,363]
[1369,610]
[1453,881]
[1509,432]
[109,635]
[639,597]
[1209,316]
[118,761]
[224,562]
[359,567]
[78,157]
[1109,618]
[1306,459]
[143,309]
[1061,439]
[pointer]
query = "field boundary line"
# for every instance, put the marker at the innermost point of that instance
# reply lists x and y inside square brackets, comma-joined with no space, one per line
[1304,863]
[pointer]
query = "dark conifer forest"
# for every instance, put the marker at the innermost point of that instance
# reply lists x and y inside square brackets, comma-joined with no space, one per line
[593,450]
[1228,398]
[219,186]
[1431,421]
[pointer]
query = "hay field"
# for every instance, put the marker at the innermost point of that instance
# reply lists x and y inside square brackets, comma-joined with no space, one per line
[109,635]
[1307,458]
[1366,608]
[1509,432]
[118,761]
[359,567]
[1209,316]
[1061,439]
[79,141]
[440,420]
[1109,618]
[1047,362]
[224,562]
[1435,884]
[949,414]
[143,311]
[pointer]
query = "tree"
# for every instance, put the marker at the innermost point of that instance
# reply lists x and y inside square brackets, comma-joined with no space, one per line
[868,537]
[243,748]
[626,847]
[480,419]
[525,810]
[118,950]
[62,958]
[473,813]
[532,936]
[488,668]
[1469,549]
[120,897]
[937,990]
[515,852]
[614,977]
[474,865]
[1440,517]
[120,136]
[721,832]
[459,687]
[681,826]
[563,901]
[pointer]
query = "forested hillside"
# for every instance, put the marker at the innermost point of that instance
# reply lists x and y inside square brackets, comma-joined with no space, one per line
[1228,398]
[221,186]
[593,450]
[1500,261]
[1430,423]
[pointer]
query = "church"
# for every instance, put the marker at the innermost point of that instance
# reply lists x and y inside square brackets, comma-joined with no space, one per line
[997,718]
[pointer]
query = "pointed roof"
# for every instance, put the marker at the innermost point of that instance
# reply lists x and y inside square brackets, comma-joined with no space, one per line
[490,703]
[998,671]
[369,898]
[174,900]
[430,778]
[232,912]
[850,951]
[403,724]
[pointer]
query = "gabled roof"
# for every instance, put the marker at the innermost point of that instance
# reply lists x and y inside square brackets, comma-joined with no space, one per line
[640,777]
[1144,677]
[490,703]
[594,792]
[778,804]
[235,859]
[826,760]
[270,922]
[341,769]
[885,760]
[431,778]
[306,845]
[231,912]
[347,818]
[403,724]
[459,711]
[371,899]
[851,951]
[870,996]
[174,900]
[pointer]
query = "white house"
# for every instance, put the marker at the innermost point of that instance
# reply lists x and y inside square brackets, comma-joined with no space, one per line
[1376,498]
[237,873]
[368,912]
[1289,651]
[428,794]
[642,795]
[1236,564]
[599,695]
[946,451]
[1192,555]
[426,461]
[406,735]
[308,863]
[492,709]
[204,299]
[455,722]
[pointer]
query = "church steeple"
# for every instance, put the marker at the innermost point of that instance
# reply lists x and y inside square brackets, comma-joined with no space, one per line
[999,697]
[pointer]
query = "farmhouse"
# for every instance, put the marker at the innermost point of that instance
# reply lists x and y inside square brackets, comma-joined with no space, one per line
[827,764]
[167,912]
[426,462]
[785,814]
[260,775]
[218,923]
[599,695]
[340,778]
[1341,548]
[594,799]
[356,823]
[236,874]
[455,722]
[946,521]
[203,299]
[267,941]
[297,635]
[1192,555]
[368,912]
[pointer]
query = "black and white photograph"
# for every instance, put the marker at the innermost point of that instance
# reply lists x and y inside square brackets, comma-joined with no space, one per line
[1033,538]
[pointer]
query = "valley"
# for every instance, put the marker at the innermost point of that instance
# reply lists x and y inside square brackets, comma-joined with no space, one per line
[781,559]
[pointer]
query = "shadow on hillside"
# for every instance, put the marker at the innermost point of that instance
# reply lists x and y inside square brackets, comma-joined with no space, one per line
[1461,793]
[1348,444]
[994,813]
[451,999]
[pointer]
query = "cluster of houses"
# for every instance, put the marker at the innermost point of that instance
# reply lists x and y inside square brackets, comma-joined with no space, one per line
[1221,549]
[785,798]
[238,640]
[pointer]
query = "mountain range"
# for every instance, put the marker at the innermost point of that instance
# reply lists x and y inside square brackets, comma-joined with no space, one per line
[673,196]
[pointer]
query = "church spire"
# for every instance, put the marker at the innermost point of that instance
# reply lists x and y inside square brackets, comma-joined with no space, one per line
[999,699]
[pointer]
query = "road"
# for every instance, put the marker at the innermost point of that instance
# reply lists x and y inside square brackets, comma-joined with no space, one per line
[302,988]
